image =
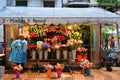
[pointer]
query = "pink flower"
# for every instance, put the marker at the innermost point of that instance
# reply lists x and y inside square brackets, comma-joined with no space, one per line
[17,68]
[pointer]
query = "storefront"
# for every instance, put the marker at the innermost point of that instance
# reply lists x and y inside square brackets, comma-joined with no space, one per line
[13,18]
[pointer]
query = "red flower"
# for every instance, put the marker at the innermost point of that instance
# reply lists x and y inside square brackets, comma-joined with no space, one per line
[32,46]
[61,38]
[33,35]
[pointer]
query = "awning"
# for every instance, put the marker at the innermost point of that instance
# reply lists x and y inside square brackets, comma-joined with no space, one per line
[19,15]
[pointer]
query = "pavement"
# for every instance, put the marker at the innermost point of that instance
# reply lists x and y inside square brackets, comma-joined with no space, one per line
[96,74]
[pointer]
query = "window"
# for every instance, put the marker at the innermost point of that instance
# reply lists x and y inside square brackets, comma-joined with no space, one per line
[49,3]
[21,2]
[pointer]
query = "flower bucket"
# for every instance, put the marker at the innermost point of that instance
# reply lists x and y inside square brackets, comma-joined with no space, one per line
[40,54]
[58,54]
[87,71]
[59,74]
[79,57]
[85,56]
[45,54]
[74,54]
[2,69]
[18,74]
[33,54]
[49,73]
[65,54]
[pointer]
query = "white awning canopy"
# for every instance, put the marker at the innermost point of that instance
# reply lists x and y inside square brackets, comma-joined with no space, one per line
[19,15]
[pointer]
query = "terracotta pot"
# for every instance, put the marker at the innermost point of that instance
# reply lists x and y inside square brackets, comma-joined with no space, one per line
[85,56]
[79,57]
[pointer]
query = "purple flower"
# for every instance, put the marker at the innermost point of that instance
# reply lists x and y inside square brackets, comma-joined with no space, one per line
[45,45]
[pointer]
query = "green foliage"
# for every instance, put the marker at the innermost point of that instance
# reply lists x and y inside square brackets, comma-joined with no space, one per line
[106,29]
[105,1]
[85,33]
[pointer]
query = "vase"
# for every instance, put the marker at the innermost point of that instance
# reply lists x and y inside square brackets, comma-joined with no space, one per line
[45,54]
[65,54]
[87,71]
[40,54]
[74,54]
[59,74]
[33,54]
[79,57]
[58,54]
[18,74]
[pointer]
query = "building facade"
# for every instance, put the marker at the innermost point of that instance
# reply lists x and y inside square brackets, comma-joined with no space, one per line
[51,3]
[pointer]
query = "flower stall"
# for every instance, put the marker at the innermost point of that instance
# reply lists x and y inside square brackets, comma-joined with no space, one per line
[60,26]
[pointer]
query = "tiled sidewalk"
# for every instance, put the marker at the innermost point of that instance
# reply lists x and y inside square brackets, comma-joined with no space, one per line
[96,74]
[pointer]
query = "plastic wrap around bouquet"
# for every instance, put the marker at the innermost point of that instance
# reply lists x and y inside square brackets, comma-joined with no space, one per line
[17,70]
[49,68]
[59,68]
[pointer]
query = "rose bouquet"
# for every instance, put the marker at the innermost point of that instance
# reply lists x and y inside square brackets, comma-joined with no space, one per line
[17,68]
[32,46]
[85,63]
[59,67]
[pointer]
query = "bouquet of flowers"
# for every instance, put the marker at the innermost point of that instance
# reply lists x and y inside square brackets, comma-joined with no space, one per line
[85,63]
[17,68]
[32,46]
[59,67]
[64,47]
[45,45]
[48,67]
[82,50]
[39,45]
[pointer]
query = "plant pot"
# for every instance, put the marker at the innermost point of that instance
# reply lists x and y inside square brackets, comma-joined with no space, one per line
[45,54]
[65,54]
[40,54]
[74,54]
[85,56]
[58,54]
[33,54]
[79,57]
